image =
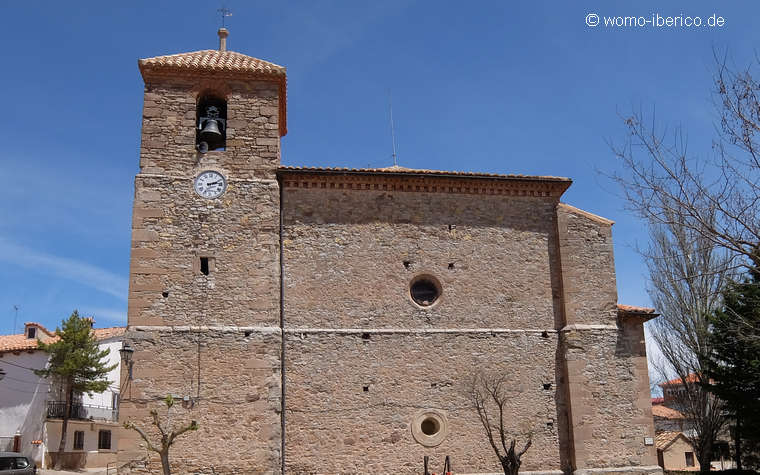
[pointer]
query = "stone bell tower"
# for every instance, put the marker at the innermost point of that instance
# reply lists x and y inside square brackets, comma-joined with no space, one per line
[204,291]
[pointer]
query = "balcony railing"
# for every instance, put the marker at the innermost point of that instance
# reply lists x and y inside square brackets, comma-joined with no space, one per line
[86,412]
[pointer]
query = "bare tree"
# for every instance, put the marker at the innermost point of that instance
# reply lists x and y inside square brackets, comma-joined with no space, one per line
[168,434]
[717,198]
[686,275]
[704,219]
[488,395]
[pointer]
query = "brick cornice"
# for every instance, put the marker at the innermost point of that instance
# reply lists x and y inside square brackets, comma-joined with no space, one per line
[424,182]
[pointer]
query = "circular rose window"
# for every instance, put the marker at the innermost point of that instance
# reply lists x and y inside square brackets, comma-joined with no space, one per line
[425,290]
[430,427]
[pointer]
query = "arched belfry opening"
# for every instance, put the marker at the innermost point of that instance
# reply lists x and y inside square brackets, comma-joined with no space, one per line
[211,120]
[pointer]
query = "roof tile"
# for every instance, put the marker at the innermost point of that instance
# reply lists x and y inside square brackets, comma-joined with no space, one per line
[213,60]
[419,171]
[691,378]
[22,343]
[664,439]
[634,309]
[665,412]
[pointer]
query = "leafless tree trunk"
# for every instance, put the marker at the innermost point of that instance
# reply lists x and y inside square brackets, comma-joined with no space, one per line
[686,274]
[488,395]
[166,431]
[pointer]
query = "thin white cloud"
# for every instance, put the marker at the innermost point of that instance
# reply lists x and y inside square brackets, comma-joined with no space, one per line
[69,269]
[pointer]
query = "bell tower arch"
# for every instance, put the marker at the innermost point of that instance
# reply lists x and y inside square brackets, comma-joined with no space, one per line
[204,312]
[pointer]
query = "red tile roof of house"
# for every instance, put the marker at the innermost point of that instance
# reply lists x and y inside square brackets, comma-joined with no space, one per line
[692,378]
[657,400]
[663,440]
[10,343]
[665,412]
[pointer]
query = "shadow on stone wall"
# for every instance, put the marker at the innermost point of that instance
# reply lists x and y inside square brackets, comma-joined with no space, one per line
[71,460]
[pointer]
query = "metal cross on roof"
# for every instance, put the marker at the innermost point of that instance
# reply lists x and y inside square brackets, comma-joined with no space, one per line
[225,12]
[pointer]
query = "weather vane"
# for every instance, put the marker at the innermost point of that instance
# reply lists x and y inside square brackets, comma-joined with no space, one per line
[225,12]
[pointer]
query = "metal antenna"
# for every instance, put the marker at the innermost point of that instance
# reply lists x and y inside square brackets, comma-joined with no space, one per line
[393,132]
[15,318]
[225,12]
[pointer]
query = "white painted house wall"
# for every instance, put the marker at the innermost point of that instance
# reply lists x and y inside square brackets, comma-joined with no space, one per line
[105,399]
[23,398]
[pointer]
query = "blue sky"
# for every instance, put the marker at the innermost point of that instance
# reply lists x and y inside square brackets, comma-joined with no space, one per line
[494,86]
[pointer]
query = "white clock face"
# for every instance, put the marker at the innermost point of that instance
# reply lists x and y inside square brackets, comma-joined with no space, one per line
[210,184]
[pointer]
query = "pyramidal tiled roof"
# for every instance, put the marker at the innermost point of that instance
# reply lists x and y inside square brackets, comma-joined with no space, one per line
[212,61]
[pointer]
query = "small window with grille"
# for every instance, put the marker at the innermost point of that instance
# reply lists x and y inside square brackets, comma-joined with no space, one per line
[104,440]
[78,440]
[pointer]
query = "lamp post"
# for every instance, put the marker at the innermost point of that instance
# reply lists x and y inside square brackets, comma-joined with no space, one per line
[126,352]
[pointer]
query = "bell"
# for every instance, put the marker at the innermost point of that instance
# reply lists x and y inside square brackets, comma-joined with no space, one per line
[210,132]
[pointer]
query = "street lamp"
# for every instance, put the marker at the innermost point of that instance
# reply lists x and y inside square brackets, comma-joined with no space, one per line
[126,356]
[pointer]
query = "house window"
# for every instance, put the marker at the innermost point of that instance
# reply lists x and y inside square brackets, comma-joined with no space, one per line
[104,440]
[78,440]
[689,459]
[31,332]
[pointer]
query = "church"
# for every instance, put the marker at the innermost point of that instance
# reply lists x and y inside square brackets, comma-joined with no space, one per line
[328,320]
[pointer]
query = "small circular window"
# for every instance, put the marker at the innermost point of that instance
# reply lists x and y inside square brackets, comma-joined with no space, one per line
[425,290]
[430,427]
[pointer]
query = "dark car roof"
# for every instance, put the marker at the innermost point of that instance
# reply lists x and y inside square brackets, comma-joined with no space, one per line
[11,454]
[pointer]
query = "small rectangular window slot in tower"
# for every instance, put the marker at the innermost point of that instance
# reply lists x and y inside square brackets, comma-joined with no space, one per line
[451,266]
[365,389]
[366,336]
[407,264]
[205,266]
[547,386]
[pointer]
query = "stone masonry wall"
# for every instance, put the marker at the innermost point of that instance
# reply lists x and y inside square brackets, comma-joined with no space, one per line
[168,133]
[348,260]
[232,381]
[234,310]
[608,382]
[334,426]
[174,227]
[344,255]
[588,267]
[609,388]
